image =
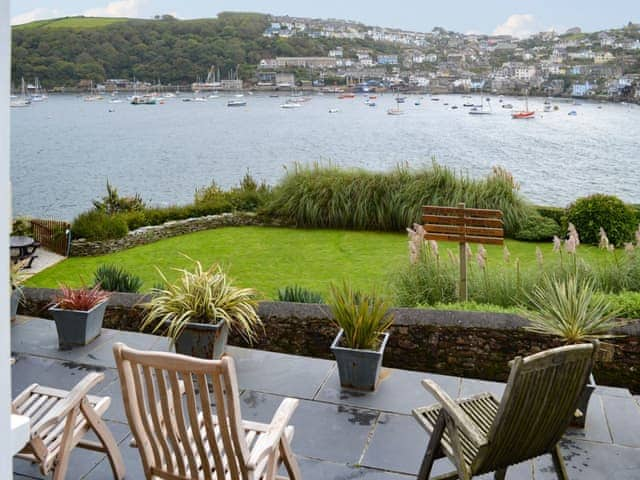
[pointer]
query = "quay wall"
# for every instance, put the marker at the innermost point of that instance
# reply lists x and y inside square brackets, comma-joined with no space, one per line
[470,344]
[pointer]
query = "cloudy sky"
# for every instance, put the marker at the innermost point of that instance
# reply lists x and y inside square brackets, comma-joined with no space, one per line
[516,17]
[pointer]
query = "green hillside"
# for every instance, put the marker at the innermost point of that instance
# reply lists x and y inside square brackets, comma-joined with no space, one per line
[63,51]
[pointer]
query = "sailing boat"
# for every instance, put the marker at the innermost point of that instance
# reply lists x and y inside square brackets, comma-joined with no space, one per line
[526,113]
[93,96]
[396,110]
[38,95]
[480,110]
[23,101]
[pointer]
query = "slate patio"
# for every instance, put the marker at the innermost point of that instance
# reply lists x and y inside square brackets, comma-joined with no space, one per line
[339,434]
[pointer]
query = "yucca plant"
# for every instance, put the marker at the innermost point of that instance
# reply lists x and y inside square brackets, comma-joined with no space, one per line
[298,294]
[570,309]
[114,278]
[204,296]
[362,317]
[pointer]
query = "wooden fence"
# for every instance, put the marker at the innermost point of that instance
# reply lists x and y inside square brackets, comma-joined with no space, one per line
[52,234]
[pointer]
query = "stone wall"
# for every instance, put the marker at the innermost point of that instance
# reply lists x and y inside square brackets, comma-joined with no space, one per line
[470,344]
[83,248]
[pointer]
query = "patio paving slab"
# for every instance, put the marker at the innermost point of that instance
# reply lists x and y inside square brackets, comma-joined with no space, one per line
[399,391]
[623,418]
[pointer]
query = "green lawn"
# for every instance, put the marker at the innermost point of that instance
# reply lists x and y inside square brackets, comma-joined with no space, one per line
[78,22]
[268,258]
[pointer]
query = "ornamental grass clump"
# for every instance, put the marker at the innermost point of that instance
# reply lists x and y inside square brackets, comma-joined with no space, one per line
[570,309]
[114,278]
[80,299]
[202,296]
[298,294]
[363,317]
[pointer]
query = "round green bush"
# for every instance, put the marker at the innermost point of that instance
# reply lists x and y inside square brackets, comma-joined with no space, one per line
[95,225]
[590,213]
[537,228]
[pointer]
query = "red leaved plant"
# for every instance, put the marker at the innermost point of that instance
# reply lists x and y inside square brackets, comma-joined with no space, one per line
[83,299]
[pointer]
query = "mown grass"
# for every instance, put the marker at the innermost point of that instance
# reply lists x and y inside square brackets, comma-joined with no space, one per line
[268,258]
[72,22]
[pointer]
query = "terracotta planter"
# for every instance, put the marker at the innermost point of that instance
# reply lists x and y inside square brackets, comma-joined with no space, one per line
[76,327]
[358,369]
[203,340]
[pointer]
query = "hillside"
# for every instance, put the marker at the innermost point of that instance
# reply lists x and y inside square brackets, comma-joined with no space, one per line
[61,52]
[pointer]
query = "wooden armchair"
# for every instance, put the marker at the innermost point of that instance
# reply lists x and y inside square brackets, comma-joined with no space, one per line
[59,421]
[480,435]
[170,399]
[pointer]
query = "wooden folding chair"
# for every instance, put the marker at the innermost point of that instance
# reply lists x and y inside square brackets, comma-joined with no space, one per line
[479,434]
[59,421]
[170,399]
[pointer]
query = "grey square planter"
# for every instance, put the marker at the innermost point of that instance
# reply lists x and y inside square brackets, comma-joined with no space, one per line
[75,327]
[358,369]
[203,340]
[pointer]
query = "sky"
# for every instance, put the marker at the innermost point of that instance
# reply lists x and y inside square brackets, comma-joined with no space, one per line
[515,17]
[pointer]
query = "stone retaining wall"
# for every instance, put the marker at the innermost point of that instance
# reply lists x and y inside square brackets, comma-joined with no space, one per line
[83,248]
[470,344]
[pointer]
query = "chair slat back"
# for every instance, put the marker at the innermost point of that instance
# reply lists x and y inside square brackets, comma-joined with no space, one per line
[537,406]
[170,401]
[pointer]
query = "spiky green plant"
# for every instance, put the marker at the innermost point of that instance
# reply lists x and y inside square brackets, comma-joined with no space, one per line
[114,278]
[570,309]
[202,296]
[363,317]
[298,294]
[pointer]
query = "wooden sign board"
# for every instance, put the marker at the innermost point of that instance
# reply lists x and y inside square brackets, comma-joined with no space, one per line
[463,225]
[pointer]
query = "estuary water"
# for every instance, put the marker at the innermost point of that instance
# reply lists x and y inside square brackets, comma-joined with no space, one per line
[64,150]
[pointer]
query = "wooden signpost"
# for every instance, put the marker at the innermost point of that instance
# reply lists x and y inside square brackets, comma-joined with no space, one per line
[463,225]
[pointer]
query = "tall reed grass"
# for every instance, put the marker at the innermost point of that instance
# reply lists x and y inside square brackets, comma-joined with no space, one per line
[333,197]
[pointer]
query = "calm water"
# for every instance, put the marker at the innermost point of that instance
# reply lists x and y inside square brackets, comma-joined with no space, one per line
[65,149]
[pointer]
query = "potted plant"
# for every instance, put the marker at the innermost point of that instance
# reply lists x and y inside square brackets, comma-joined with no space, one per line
[363,321]
[17,278]
[570,309]
[198,310]
[78,314]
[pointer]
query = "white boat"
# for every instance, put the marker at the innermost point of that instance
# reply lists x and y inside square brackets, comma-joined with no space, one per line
[239,95]
[480,109]
[143,100]
[290,105]
[199,99]
[236,103]
[93,96]
[547,105]
[214,96]
[38,94]
[115,100]
[21,101]
[334,110]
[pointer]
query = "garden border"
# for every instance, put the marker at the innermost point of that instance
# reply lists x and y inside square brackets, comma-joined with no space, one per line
[461,343]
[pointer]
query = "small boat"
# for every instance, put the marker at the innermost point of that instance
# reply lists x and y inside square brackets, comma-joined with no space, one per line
[38,94]
[274,96]
[188,99]
[143,100]
[169,95]
[395,111]
[346,95]
[400,99]
[236,103]
[239,95]
[417,103]
[372,97]
[507,106]
[478,111]
[572,113]
[467,104]
[334,110]
[22,101]
[115,100]
[371,104]
[93,96]
[290,105]
[446,104]
[435,99]
[525,114]
[547,105]
[199,99]
[213,95]
[454,107]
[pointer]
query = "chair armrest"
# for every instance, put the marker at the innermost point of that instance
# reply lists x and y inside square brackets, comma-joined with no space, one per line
[73,398]
[459,417]
[268,442]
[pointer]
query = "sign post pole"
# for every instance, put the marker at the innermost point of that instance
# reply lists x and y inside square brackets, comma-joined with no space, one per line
[462,289]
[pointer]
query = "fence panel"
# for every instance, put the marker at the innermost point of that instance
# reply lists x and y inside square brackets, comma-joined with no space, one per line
[52,234]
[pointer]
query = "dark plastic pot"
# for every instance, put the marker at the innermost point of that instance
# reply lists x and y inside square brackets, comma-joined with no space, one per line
[75,327]
[15,300]
[358,369]
[203,340]
[583,403]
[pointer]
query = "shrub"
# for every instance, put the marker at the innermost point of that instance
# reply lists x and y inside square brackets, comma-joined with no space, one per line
[536,228]
[95,225]
[591,213]
[558,214]
[21,226]
[113,278]
[331,197]
[298,294]
[626,303]
[113,203]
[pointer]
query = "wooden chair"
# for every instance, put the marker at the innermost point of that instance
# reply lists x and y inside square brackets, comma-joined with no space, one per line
[479,434]
[59,421]
[168,399]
